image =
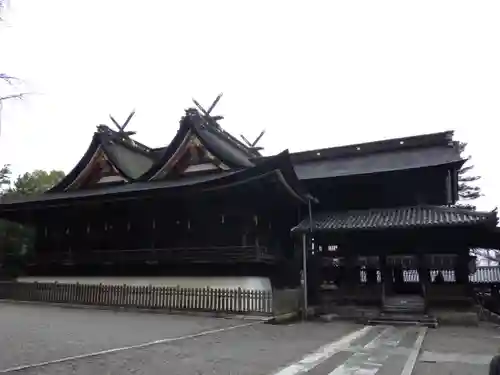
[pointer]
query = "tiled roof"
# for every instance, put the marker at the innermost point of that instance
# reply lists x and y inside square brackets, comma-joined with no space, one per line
[403,217]
[486,275]
[483,275]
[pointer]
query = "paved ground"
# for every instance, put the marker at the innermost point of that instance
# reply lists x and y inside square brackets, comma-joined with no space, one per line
[458,350]
[88,342]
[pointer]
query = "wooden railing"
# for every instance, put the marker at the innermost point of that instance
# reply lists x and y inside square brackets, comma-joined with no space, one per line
[222,254]
[147,297]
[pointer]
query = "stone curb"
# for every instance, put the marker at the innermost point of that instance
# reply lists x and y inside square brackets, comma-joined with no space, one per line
[293,316]
[490,316]
[207,314]
[284,318]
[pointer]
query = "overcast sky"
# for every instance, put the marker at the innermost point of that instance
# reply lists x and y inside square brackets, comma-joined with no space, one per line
[312,73]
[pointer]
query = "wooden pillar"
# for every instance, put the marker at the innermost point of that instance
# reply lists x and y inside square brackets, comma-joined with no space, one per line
[423,277]
[398,275]
[304,275]
[386,275]
[350,270]
[462,269]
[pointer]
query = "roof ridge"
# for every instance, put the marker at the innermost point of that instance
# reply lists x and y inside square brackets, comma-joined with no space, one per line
[393,218]
[380,146]
[217,129]
[421,206]
[462,210]
[127,141]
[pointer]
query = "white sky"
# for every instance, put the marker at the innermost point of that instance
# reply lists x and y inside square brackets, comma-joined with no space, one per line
[312,73]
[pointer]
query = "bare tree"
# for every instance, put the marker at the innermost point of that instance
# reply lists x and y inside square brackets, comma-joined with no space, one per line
[5,78]
[16,94]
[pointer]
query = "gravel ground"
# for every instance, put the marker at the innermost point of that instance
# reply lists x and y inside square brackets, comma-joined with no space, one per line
[37,333]
[31,334]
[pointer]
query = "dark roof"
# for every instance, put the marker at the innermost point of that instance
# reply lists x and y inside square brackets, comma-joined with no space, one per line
[137,162]
[378,162]
[131,159]
[483,275]
[218,142]
[403,217]
[277,169]
[382,156]
[442,139]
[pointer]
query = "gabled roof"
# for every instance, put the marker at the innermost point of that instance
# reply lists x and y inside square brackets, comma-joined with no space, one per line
[129,158]
[136,162]
[223,147]
[395,218]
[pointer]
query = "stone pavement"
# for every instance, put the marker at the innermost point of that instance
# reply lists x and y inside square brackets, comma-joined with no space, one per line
[382,350]
[458,350]
[37,339]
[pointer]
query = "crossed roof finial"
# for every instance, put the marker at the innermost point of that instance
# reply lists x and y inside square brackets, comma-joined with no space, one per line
[121,128]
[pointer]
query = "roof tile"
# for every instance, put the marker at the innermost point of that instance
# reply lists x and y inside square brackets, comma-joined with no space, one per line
[402,217]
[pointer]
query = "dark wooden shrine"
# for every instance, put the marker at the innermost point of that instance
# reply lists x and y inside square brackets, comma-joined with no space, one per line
[200,206]
[208,204]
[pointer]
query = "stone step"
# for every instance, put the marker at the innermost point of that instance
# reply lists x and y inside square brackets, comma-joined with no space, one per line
[402,323]
[403,311]
[403,304]
[392,302]
[398,319]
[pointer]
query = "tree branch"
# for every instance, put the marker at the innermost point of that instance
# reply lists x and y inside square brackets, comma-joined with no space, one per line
[9,79]
[14,96]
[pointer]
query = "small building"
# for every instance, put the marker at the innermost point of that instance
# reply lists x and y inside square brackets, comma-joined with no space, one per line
[210,205]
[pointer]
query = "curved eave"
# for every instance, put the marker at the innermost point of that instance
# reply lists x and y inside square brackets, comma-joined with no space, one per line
[85,162]
[278,168]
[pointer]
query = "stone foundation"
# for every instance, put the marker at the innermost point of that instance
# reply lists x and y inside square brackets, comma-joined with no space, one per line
[452,317]
[216,282]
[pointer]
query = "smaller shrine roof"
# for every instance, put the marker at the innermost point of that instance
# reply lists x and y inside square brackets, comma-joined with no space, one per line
[393,218]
